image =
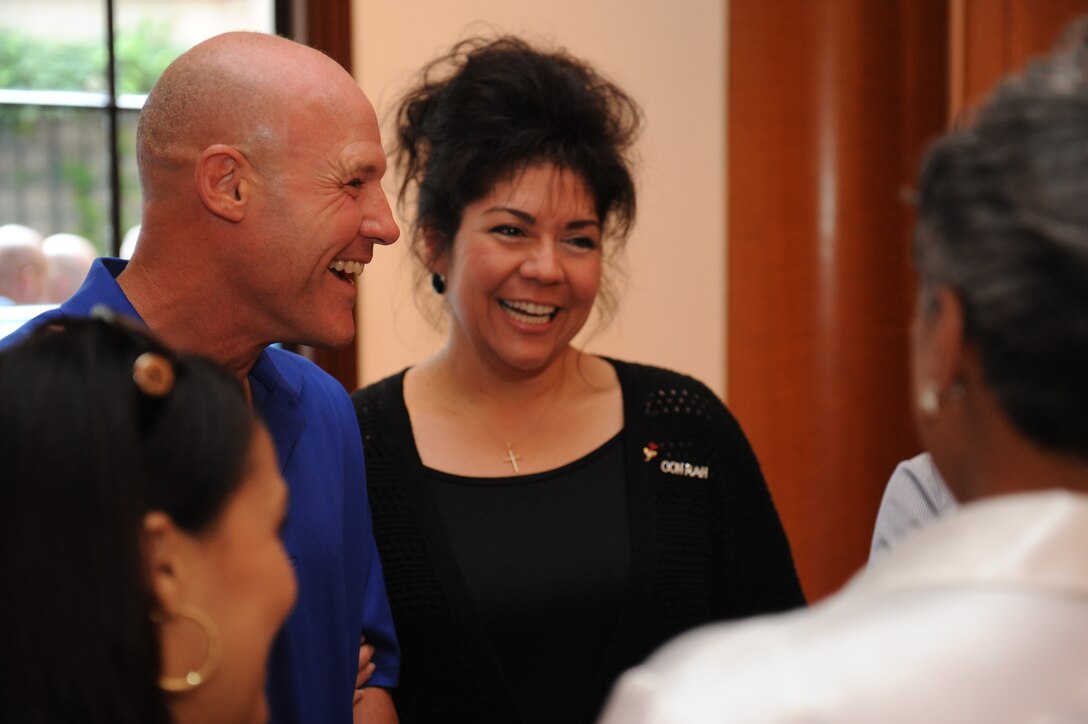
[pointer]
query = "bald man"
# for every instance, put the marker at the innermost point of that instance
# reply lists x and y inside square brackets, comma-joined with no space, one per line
[70,257]
[260,164]
[23,267]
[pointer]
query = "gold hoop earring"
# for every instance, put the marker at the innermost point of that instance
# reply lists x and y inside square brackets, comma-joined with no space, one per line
[198,676]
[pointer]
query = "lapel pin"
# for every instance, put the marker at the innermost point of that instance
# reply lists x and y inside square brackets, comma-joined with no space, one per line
[650,451]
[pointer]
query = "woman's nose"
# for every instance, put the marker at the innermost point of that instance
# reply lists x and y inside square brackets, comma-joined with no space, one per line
[543,263]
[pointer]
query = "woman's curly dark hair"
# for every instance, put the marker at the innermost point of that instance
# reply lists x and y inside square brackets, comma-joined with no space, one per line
[491,107]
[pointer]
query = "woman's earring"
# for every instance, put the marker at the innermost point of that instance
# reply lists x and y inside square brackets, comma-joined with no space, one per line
[195,677]
[929,402]
[438,282]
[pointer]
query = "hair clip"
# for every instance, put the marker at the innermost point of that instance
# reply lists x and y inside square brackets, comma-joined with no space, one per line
[153,374]
[104,313]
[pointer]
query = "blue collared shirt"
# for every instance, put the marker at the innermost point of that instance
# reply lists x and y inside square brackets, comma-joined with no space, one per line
[341,593]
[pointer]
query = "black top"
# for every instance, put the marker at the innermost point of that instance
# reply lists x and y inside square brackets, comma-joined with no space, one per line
[705,544]
[545,558]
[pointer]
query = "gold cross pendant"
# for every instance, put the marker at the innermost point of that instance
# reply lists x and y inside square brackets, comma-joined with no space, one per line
[512,458]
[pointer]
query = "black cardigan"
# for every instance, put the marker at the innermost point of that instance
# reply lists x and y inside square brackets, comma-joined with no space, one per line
[706,543]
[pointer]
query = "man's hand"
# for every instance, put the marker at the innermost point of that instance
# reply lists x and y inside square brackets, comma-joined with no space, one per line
[366,666]
[371,705]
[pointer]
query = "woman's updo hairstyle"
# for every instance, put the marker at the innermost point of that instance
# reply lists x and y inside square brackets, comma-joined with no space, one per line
[492,107]
[1003,222]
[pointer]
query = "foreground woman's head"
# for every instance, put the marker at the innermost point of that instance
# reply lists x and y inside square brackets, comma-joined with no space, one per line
[1002,254]
[140,502]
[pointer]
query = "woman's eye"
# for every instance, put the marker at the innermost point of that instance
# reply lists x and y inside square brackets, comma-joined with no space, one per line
[356,183]
[506,230]
[582,242]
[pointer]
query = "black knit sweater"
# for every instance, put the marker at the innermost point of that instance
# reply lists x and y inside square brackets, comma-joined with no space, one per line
[706,544]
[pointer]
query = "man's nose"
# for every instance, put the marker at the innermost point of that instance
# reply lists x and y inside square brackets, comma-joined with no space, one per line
[378,223]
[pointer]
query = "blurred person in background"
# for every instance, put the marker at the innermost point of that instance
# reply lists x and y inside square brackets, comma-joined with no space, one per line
[23,267]
[69,257]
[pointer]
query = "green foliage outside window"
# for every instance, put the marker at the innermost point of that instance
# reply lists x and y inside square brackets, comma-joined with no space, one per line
[34,63]
[44,64]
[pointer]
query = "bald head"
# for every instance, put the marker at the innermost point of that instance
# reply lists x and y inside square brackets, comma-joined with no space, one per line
[19,235]
[241,89]
[70,257]
[23,267]
[260,161]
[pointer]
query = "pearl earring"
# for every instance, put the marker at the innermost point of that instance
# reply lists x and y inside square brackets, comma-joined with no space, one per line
[929,402]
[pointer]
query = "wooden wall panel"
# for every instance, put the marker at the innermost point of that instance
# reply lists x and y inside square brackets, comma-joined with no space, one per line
[830,104]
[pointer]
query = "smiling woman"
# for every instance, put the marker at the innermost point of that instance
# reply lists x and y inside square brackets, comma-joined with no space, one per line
[536,536]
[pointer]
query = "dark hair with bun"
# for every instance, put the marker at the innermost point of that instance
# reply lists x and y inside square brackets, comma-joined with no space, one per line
[492,107]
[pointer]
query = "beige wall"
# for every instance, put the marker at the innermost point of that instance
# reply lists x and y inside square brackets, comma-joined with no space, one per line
[671,57]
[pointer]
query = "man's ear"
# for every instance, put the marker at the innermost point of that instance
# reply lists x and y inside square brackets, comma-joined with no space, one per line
[162,548]
[221,181]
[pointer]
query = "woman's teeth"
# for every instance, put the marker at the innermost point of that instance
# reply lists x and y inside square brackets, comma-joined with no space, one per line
[529,312]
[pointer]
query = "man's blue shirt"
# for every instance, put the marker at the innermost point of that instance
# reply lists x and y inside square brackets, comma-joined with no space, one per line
[341,593]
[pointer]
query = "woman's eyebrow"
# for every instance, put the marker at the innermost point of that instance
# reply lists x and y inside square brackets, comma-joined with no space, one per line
[523,215]
[530,219]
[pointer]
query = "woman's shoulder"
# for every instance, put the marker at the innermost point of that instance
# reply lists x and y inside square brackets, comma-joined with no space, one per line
[671,397]
[644,377]
[394,383]
[377,398]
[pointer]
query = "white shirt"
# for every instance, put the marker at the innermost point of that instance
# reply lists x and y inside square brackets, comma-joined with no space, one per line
[981,617]
[915,496]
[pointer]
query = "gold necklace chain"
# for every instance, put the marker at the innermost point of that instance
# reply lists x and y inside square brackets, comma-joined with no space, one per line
[511,458]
